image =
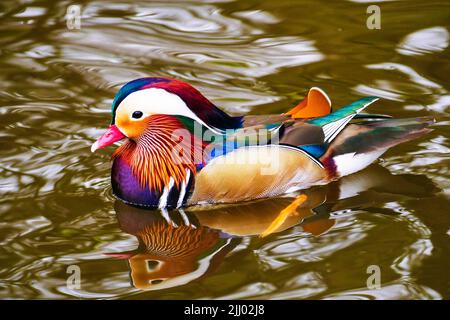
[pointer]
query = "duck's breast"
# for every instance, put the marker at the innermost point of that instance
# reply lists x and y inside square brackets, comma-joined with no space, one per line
[126,186]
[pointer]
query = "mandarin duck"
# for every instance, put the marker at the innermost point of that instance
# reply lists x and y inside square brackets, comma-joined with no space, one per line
[181,150]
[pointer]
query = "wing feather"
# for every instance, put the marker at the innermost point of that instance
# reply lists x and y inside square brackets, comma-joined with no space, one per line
[256,172]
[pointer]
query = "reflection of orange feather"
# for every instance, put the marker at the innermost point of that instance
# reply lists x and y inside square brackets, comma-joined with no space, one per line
[284,214]
[318,227]
[162,239]
[160,154]
[176,252]
[316,104]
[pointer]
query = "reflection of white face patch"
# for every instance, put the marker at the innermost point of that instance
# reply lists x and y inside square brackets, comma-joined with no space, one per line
[158,101]
[202,268]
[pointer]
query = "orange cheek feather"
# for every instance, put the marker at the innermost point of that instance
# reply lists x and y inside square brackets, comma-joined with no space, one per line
[132,129]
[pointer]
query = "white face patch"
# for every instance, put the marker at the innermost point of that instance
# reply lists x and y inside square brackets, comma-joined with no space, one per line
[158,101]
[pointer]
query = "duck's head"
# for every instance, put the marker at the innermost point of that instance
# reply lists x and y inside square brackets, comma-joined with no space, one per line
[141,101]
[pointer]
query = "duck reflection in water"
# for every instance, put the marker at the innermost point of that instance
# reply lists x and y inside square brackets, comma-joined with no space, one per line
[170,252]
[178,247]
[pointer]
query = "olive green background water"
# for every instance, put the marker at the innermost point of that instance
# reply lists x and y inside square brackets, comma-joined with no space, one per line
[255,57]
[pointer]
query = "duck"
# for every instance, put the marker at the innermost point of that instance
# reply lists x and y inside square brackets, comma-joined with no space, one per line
[180,150]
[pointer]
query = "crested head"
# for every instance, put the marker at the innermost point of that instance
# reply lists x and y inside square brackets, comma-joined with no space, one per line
[141,98]
[154,113]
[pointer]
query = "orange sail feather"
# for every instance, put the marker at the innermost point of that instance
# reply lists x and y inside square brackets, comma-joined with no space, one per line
[316,104]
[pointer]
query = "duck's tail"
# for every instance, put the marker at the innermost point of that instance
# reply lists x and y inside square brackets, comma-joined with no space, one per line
[359,145]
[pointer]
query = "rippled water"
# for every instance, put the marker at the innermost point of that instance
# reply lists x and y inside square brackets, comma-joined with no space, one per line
[248,57]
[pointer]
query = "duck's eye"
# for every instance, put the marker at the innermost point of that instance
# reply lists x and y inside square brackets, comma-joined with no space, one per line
[137,114]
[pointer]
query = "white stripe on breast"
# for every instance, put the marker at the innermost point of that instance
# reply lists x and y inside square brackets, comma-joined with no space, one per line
[183,188]
[159,101]
[165,195]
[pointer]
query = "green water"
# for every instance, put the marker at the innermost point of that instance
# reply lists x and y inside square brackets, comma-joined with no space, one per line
[255,57]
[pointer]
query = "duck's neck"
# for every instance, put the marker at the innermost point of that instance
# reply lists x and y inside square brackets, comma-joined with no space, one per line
[158,159]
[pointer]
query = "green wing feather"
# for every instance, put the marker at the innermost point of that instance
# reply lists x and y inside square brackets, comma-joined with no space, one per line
[335,122]
[353,108]
[374,135]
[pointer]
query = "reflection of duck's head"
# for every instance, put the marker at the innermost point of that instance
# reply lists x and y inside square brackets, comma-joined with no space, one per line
[173,256]
[169,255]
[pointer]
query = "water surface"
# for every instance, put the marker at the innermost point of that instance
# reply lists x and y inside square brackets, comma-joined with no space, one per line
[249,57]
